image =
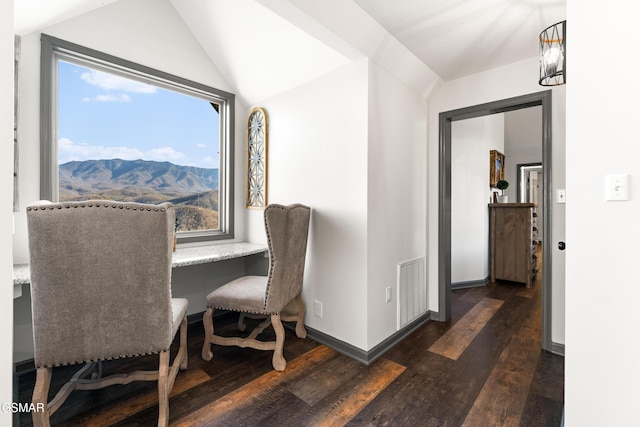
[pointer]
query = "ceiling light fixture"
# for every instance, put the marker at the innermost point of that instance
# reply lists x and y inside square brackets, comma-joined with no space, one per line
[553,59]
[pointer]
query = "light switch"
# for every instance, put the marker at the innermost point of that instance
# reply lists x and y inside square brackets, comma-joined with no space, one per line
[616,187]
[561,196]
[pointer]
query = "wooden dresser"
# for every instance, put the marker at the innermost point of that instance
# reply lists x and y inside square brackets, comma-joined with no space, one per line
[512,242]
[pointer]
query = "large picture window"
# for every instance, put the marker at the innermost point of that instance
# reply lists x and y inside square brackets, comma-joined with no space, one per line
[116,130]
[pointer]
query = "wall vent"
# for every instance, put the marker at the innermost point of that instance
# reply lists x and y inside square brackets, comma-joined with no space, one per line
[412,291]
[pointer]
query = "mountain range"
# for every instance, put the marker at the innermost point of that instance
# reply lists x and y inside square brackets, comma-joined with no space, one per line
[100,176]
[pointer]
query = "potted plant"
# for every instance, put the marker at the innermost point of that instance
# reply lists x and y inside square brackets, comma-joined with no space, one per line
[502,185]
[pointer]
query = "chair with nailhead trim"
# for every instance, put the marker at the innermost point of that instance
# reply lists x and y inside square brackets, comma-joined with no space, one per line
[101,290]
[287,229]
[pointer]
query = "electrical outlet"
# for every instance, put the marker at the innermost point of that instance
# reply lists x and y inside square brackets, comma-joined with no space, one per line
[317,308]
[388,294]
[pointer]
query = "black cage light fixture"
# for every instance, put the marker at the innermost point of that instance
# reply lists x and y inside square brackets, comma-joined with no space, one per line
[553,58]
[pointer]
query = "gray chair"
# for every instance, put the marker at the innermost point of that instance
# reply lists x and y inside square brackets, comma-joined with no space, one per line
[101,290]
[287,229]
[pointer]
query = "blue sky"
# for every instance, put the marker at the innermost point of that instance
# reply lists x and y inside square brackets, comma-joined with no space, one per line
[104,116]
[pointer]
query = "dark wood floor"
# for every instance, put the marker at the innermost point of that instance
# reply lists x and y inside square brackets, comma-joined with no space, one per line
[483,368]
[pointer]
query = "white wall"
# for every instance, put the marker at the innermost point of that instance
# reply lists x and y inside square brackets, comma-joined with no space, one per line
[317,155]
[516,79]
[352,145]
[397,185]
[602,349]
[6,206]
[471,142]
[523,143]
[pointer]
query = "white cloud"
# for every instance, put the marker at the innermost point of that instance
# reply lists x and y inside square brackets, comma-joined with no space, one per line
[72,151]
[208,162]
[201,145]
[165,154]
[69,151]
[112,82]
[123,97]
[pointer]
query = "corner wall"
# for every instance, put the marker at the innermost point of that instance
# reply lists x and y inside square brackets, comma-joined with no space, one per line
[352,145]
[317,155]
[396,194]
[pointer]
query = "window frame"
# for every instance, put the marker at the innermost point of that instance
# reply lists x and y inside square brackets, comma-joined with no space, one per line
[54,49]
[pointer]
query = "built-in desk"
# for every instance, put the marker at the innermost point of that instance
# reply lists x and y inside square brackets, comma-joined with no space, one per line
[21,277]
[182,257]
[211,253]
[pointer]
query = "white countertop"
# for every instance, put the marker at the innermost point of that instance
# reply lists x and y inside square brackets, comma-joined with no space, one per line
[182,257]
[193,255]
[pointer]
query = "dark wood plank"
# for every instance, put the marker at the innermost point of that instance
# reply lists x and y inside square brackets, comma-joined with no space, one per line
[458,389]
[245,395]
[510,378]
[546,396]
[414,398]
[322,380]
[382,373]
[456,340]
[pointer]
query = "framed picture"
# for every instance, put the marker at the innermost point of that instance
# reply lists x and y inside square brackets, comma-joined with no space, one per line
[496,167]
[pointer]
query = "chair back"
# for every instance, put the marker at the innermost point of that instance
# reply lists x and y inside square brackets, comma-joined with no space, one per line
[100,280]
[287,231]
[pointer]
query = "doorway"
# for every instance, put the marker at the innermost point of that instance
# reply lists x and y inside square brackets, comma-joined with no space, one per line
[529,182]
[444,198]
[530,185]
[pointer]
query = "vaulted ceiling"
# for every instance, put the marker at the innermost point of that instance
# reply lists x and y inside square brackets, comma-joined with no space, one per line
[293,41]
[456,38]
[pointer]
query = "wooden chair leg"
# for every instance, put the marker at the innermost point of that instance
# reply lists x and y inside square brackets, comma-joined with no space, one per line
[278,361]
[259,329]
[207,320]
[301,332]
[163,390]
[183,343]
[40,397]
[241,325]
[167,374]
[96,372]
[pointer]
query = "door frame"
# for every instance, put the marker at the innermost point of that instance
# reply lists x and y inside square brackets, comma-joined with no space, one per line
[444,198]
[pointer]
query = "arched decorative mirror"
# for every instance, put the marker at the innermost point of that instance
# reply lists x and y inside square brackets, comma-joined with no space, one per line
[256,173]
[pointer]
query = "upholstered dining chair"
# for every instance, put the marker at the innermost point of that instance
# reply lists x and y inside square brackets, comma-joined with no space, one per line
[101,290]
[287,229]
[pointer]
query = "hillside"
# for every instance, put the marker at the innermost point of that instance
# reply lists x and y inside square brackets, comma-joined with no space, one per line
[193,190]
[91,176]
